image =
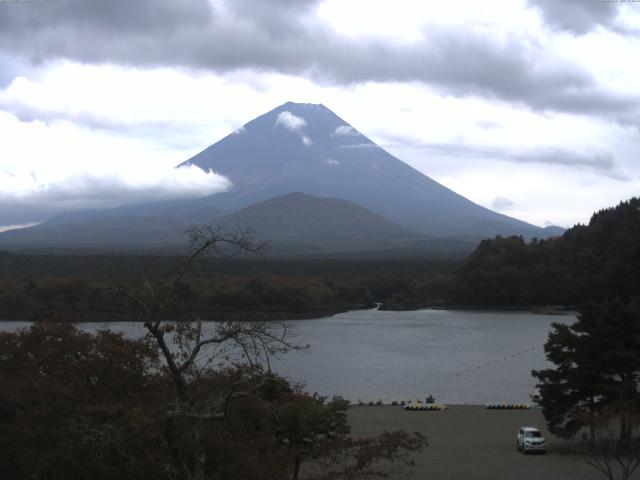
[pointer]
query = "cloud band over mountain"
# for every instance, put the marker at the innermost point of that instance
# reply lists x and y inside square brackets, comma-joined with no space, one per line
[25,197]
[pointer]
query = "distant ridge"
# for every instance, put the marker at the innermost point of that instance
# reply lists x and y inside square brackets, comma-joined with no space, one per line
[296,214]
[303,223]
[97,235]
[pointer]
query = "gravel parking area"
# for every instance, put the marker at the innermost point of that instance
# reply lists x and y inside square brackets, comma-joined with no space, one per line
[470,442]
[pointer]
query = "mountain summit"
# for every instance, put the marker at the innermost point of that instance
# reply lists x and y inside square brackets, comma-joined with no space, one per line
[300,147]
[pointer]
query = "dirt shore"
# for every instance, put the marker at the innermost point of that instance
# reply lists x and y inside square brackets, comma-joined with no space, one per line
[470,442]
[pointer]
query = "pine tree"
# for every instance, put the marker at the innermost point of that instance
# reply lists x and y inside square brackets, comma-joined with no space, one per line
[597,366]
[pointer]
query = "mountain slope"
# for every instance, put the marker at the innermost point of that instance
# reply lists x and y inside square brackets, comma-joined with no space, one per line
[297,215]
[100,234]
[309,149]
[301,223]
[292,224]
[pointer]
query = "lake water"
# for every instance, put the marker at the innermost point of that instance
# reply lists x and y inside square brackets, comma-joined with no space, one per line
[456,356]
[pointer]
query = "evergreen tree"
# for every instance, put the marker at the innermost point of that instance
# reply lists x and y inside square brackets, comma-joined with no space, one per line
[597,366]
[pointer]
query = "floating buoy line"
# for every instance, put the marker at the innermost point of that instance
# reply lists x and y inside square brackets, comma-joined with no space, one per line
[419,405]
[494,363]
[508,406]
[416,405]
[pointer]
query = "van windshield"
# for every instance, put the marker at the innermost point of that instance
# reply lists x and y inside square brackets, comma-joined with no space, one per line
[532,434]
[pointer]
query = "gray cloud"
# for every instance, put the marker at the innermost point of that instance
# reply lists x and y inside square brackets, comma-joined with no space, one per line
[286,38]
[601,162]
[502,203]
[29,113]
[277,18]
[171,133]
[123,16]
[577,16]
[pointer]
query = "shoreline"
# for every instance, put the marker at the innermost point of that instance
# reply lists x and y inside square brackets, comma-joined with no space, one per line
[247,316]
[535,309]
[243,316]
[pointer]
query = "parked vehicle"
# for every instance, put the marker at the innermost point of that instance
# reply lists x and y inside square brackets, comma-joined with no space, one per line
[530,439]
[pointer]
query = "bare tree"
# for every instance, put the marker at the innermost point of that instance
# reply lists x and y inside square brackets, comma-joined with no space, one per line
[190,348]
[614,448]
[213,364]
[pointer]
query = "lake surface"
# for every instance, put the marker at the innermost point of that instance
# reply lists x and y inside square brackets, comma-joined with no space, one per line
[456,356]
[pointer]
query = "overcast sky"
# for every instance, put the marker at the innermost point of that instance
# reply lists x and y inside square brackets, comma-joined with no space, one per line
[528,107]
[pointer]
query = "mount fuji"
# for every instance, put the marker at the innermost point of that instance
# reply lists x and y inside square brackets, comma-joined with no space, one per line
[307,148]
[346,187]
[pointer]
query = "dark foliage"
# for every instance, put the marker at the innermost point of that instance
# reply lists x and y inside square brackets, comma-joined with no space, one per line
[586,263]
[70,288]
[73,405]
[597,369]
[77,406]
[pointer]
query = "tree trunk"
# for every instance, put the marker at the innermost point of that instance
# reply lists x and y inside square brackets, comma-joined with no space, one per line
[296,468]
[625,431]
[592,424]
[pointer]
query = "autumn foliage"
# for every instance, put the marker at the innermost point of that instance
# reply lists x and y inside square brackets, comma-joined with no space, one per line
[75,405]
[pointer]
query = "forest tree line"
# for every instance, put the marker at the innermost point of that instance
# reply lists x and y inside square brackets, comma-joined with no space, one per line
[504,272]
[586,263]
[74,288]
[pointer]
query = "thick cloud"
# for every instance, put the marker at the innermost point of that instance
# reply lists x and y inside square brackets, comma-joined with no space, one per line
[278,18]
[142,17]
[287,38]
[577,16]
[24,197]
[290,121]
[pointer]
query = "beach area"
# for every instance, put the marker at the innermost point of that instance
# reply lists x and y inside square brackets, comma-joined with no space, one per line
[470,442]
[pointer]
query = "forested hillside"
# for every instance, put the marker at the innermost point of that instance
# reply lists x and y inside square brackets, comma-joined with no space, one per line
[587,262]
[74,288]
